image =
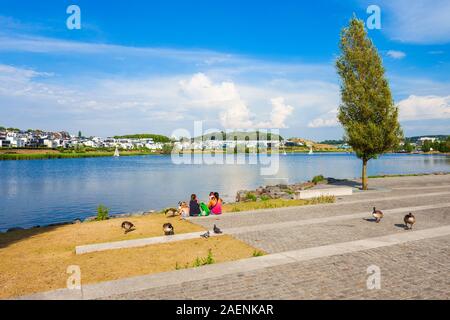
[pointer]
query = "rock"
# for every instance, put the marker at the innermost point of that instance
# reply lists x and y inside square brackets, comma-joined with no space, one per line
[273,190]
[77,221]
[90,219]
[122,215]
[58,224]
[241,195]
[14,229]
[260,191]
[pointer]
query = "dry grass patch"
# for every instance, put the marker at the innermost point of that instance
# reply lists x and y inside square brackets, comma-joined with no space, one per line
[36,260]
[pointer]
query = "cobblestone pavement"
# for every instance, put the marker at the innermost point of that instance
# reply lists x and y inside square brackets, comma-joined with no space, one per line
[416,270]
[412,270]
[241,219]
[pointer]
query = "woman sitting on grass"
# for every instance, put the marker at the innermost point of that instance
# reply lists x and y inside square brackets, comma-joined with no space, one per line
[215,204]
[194,208]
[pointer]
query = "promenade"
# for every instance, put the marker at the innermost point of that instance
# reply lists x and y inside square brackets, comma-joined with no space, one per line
[319,252]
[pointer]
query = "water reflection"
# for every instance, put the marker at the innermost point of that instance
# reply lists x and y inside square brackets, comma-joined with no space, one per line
[48,191]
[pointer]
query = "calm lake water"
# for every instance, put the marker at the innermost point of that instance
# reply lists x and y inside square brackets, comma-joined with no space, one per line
[41,192]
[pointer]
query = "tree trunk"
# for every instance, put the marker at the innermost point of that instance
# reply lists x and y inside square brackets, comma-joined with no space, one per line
[364,176]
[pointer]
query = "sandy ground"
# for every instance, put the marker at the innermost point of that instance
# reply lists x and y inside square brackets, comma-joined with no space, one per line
[36,260]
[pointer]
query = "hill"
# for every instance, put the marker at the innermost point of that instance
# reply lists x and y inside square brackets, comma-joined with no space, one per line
[439,137]
[240,135]
[155,137]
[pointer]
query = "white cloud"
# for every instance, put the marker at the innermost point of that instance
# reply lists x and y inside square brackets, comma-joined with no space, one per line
[412,108]
[201,90]
[280,112]
[396,54]
[424,108]
[418,21]
[234,111]
[327,120]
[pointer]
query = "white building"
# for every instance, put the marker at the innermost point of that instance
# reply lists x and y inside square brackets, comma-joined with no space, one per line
[423,139]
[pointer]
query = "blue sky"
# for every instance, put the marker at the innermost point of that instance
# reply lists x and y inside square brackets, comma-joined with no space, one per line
[156,66]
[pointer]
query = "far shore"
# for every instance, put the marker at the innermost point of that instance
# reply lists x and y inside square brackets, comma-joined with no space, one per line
[45,154]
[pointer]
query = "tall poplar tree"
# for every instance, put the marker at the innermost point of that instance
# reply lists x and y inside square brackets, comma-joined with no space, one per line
[367,111]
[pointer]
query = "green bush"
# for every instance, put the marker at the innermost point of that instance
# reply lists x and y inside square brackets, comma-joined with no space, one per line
[251,197]
[258,253]
[265,198]
[318,179]
[102,213]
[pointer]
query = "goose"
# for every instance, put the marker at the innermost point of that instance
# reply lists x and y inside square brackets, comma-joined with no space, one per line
[127,226]
[377,214]
[170,211]
[409,219]
[168,229]
[217,230]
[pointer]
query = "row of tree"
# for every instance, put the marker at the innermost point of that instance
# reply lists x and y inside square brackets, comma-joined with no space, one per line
[441,146]
[155,137]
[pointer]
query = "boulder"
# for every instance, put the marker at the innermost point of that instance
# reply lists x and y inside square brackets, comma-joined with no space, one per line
[90,219]
[241,195]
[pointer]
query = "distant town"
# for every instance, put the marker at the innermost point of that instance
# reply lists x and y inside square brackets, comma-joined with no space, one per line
[35,139]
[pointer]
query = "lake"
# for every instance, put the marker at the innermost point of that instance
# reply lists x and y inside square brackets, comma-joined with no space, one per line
[41,192]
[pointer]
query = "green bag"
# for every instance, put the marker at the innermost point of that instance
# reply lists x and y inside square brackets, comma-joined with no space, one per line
[204,210]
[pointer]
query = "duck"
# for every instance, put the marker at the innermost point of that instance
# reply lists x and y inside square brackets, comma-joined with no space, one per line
[217,230]
[377,214]
[127,226]
[409,219]
[168,229]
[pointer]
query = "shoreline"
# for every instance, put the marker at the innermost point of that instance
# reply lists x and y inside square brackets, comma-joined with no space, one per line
[154,212]
[52,155]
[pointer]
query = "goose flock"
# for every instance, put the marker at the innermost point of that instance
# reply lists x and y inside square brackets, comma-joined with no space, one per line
[409,219]
[168,229]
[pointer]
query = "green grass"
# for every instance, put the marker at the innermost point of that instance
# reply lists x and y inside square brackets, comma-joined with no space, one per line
[38,156]
[258,253]
[198,262]
[318,179]
[404,175]
[275,203]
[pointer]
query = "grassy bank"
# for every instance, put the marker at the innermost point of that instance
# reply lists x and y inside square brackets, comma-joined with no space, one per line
[274,203]
[36,260]
[407,175]
[67,155]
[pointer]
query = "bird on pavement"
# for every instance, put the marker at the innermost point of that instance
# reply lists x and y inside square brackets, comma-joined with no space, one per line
[127,226]
[217,230]
[377,214]
[409,219]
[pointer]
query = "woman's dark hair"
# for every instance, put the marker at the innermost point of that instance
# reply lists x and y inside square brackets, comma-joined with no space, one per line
[216,194]
[193,197]
[211,193]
